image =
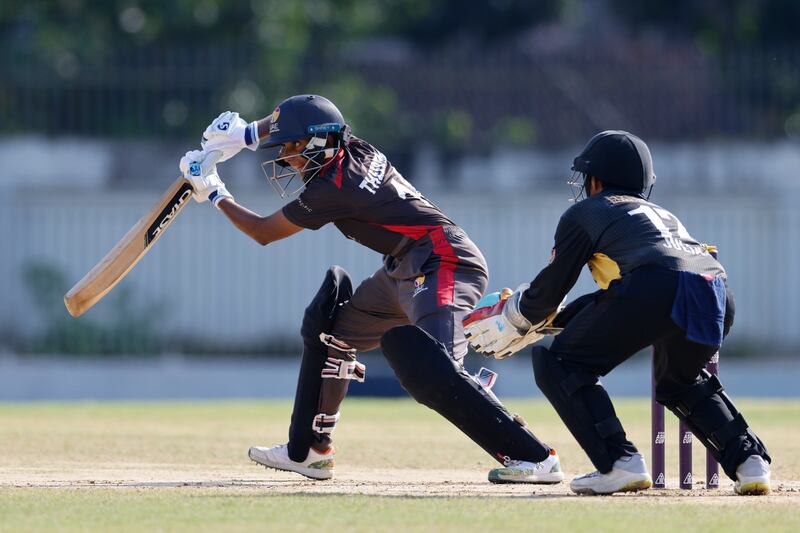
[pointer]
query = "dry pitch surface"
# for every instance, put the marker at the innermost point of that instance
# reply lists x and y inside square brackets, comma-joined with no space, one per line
[184,466]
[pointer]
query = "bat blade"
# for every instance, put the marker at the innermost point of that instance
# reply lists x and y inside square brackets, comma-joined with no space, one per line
[116,264]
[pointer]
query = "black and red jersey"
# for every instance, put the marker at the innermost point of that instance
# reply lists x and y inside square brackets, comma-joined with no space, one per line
[369,201]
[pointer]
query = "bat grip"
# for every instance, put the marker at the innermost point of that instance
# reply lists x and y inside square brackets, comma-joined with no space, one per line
[212,157]
[210,160]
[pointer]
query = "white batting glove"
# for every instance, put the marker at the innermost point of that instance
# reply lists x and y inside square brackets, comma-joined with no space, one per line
[229,133]
[200,169]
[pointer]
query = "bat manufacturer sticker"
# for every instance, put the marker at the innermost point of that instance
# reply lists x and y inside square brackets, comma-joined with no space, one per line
[168,213]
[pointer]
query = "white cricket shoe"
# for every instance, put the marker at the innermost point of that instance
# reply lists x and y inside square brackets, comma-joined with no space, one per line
[628,474]
[752,477]
[547,472]
[316,466]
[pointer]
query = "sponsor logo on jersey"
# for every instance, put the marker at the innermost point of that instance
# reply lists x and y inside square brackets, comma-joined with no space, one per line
[304,205]
[622,198]
[419,286]
[375,173]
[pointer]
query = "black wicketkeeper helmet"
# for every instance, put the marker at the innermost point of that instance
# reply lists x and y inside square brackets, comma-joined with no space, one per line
[619,159]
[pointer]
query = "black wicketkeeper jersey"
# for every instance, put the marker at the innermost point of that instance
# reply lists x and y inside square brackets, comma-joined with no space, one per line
[613,232]
[369,201]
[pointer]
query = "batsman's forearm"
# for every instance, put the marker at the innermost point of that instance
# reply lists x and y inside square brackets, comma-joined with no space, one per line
[245,220]
[263,230]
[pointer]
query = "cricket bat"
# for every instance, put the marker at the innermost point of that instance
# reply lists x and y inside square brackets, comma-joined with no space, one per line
[126,253]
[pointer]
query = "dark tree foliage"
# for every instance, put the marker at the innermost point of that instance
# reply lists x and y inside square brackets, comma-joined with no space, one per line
[717,24]
[451,72]
[432,23]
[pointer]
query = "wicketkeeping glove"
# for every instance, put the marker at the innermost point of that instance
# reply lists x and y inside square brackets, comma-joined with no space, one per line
[501,330]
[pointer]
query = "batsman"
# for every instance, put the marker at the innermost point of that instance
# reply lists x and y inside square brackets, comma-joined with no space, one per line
[659,287]
[432,276]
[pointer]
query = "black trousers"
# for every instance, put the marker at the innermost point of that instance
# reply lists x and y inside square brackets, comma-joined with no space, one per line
[605,328]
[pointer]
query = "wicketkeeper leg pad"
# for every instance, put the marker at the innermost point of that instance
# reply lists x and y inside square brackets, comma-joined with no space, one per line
[585,408]
[714,419]
[434,379]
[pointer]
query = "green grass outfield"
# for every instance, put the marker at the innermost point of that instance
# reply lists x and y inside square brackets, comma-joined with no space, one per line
[183,466]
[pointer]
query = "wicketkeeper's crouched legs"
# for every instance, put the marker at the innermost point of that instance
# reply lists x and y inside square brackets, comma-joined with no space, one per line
[585,408]
[434,379]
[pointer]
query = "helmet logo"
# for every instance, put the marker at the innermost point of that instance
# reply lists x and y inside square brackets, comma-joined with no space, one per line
[273,127]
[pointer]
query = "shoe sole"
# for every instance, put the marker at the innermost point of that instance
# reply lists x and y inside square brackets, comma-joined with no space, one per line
[310,473]
[756,488]
[531,480]
[633,486]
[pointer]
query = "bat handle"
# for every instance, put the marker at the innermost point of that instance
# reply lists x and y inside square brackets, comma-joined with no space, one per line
[209,161]
[212,158]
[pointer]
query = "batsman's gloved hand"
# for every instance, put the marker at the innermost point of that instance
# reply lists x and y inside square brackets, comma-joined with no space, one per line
[501,329]
[229,133]
[200,169]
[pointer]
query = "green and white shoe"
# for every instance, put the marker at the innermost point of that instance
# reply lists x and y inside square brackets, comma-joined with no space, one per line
[753,477]
[547,472]
[316,466]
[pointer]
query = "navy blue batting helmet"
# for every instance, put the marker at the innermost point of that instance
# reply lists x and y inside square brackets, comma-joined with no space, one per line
[303,116]
[617,158]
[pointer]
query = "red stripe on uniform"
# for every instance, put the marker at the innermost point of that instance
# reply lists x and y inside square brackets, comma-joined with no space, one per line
[338,158]
[445,288]
[412,232]
[338,180]
[447,267]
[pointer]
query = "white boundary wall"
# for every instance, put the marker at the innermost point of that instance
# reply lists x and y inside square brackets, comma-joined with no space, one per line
[213,282]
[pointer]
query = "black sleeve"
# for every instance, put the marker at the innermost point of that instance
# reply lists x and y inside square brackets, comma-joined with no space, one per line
[318,204]
[572,250]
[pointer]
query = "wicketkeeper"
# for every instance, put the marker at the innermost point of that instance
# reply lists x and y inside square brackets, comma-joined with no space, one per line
[432,276]
[660,287]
